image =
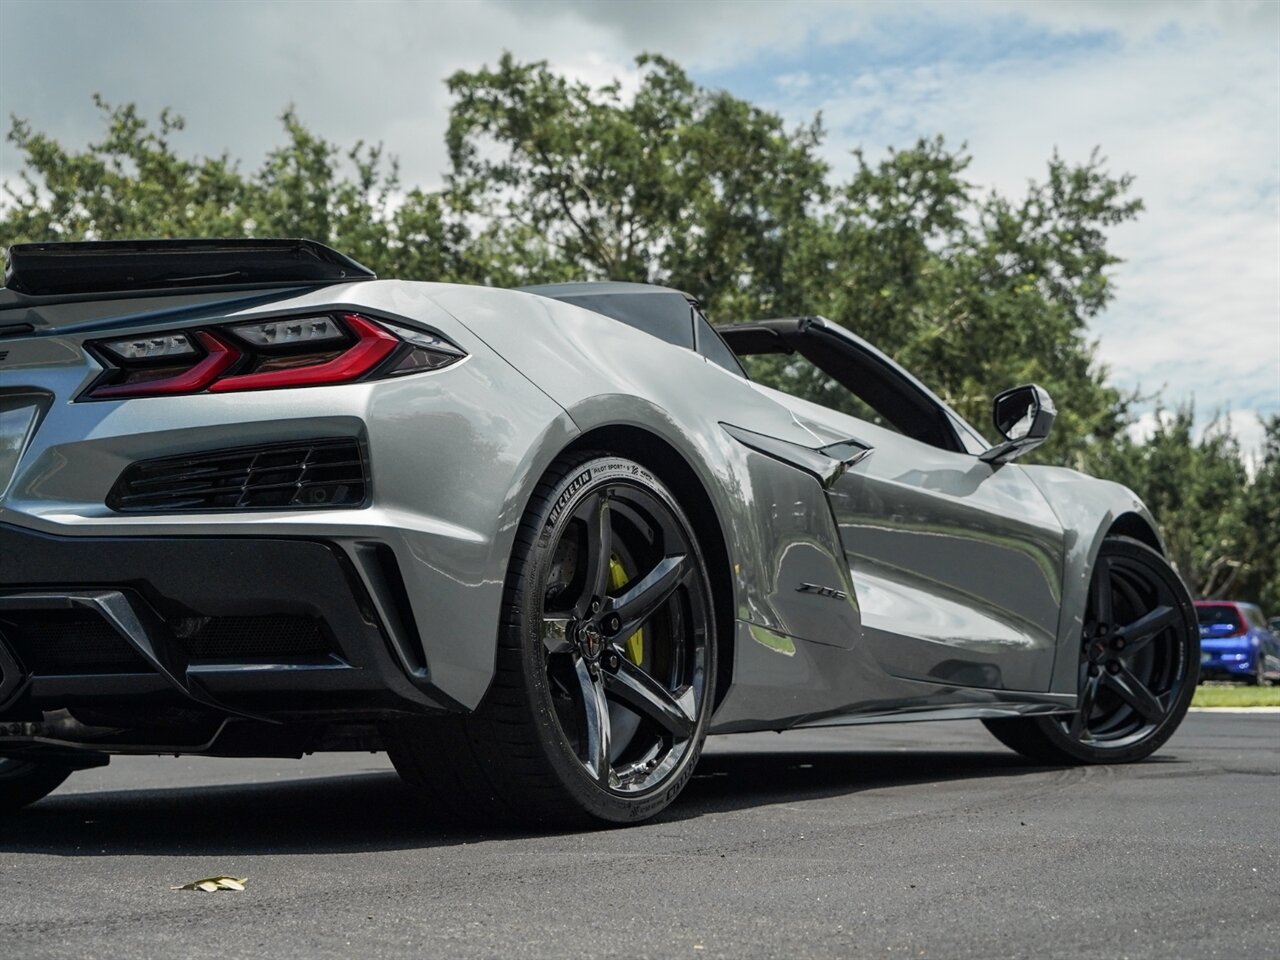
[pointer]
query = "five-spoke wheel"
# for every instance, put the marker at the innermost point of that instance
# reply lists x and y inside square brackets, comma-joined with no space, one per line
[626,631]
[1138,665]
[605,668]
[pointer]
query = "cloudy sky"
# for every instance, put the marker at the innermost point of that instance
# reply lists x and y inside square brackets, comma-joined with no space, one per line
[1185,96]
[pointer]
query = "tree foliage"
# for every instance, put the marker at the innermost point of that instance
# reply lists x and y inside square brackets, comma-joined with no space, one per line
[1260,579]
[1221,526]
[979,291]
[1198,483]
[552,179]
[675,184]
[133,183]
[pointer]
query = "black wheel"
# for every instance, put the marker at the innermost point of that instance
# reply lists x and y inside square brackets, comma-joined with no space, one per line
[1139,663]
[606,662]
[26,781]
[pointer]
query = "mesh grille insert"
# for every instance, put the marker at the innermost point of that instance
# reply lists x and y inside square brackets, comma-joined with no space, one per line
[251,638]
[316,473]
[65,642]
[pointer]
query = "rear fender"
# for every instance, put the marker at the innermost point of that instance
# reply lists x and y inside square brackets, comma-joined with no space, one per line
[775,518]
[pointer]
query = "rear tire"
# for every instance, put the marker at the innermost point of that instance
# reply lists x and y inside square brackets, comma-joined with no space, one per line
[1139,661]
[1259,678]
[23,782]
[605,664]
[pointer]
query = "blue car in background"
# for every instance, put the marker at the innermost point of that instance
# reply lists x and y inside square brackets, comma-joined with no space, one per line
[1236,643]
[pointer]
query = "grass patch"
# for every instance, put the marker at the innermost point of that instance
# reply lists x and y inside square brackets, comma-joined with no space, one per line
[1236,696]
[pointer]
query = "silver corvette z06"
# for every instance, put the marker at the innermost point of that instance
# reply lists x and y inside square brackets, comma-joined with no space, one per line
[535,544]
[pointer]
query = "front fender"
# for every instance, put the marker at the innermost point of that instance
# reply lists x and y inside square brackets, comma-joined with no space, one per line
[1088,509]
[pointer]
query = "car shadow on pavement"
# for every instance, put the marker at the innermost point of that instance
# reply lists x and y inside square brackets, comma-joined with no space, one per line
[735,781]
[376,811]
[359,812]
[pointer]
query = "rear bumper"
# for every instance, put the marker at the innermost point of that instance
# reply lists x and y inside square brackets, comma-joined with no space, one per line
[272,629]
[1232,662]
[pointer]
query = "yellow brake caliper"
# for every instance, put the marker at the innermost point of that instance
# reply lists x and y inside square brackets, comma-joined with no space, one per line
[618,578]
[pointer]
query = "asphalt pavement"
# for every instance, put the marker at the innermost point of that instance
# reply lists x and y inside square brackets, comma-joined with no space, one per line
[902,840]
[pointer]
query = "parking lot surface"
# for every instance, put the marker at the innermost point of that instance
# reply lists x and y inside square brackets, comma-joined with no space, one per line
[903,840]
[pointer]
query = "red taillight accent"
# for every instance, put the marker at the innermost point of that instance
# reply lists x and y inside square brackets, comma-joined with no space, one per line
[373,346]
[240,357]
[218,359]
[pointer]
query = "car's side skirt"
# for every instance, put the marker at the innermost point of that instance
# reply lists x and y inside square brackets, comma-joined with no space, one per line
[781,681]
[973,711]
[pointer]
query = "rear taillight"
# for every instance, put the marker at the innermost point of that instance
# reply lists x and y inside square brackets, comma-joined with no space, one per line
[342,363]
[1221,631]
[159,377]
[282,352]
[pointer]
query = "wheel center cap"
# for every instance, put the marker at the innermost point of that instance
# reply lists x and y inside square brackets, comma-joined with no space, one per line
[1097,651]
[590,641]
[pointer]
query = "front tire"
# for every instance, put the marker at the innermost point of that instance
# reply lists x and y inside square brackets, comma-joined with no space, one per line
[23,782]
[1139,661]
[605,665]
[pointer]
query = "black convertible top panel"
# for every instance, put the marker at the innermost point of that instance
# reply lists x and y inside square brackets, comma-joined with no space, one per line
[660,311]
[112,266]
[884,386]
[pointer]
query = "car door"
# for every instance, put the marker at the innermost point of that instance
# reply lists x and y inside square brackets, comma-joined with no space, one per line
[957,564]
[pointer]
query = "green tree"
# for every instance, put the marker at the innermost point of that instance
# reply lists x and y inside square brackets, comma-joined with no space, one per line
[973,291]
[676,184]
[133,183]
[1261,580]
[700,190]
[1197,489]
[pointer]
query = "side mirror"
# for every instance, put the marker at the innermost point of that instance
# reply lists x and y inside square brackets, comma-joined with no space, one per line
[1023,416]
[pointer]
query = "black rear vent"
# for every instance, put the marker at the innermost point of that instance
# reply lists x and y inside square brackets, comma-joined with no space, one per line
[67,642]
[251,638]
[316,473]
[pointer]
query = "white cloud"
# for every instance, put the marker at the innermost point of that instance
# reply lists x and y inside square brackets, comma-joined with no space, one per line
[1144,427]
[1145,18]
[354,71]
[716,34]
[794,82]
[1248,430]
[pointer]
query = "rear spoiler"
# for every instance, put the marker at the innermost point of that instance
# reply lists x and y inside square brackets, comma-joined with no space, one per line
[64,271]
